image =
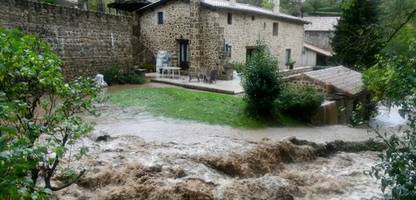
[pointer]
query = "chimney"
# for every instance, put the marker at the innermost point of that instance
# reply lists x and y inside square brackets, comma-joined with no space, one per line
[276,6]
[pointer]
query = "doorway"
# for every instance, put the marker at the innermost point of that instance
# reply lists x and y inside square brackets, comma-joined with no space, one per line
[184,54]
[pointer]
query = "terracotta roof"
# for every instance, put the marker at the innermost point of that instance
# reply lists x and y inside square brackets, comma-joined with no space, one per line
[321,23]
[223,4]
[228,5]
[342,78]
[317,49]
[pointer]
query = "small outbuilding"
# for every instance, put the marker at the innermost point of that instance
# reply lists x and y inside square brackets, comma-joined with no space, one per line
[341,85]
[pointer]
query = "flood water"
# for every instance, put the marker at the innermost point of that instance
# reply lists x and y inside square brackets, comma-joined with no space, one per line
[151,157]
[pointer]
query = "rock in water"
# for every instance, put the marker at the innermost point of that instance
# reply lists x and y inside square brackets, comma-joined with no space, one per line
[103,138]
[99,81]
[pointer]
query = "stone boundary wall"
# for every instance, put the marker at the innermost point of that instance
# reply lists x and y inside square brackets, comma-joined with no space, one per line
[87,41]
[296,70]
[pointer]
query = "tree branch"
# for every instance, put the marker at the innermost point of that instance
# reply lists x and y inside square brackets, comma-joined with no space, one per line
[53,188]
[408,18]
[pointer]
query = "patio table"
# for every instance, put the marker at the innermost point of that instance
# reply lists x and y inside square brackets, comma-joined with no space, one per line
[171,71]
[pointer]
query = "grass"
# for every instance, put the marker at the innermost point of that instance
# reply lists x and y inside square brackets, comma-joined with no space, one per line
[205,107]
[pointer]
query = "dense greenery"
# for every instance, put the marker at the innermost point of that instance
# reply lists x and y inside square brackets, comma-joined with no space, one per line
[268,4]
[49,1]
[261,82]
[357,37]
[116,75]
[300,102]
[206,107]
[392,80]
[238,67]
[396,13]
[311,7]
[38,118]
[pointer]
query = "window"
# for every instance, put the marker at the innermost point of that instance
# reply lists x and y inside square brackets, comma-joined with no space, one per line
[230,18]
[264,25]
[275,29]
[288,56]
[160,18]
[227,50]
[253,18]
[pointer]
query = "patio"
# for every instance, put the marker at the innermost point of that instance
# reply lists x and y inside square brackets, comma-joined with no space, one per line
[227,87]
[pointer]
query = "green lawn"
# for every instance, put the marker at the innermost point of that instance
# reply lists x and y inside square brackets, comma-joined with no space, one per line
[206,107]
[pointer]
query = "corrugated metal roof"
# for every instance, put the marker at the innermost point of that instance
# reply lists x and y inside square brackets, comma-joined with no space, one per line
[342,78]
[250,9]
[321,23]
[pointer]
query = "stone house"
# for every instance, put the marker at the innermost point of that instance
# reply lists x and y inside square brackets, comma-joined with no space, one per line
[318,34]
[208,34]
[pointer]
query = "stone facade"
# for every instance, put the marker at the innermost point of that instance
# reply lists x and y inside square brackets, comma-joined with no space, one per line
[321,39]
[86,41]
[176,26]
[208,31]
[245,32]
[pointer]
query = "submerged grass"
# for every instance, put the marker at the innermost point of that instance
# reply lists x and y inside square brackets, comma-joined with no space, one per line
[206,107]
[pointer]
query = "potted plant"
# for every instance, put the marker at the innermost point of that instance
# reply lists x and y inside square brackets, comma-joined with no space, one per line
[291,64]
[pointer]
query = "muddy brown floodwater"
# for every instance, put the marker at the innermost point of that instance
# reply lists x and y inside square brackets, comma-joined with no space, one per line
[135,155]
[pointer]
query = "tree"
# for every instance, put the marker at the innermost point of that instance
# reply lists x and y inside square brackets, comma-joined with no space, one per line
[399,22]
[261,82]
[259,3]
[38,117]
[392,80]
[311,7]
[357,38]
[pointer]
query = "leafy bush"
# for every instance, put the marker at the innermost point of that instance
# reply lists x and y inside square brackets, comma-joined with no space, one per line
[38,116]
[261,82]
[393,80]
[115,75]
[300,101]
[49,1]
[239,67]
[149,67]
[131,78]
[112,75]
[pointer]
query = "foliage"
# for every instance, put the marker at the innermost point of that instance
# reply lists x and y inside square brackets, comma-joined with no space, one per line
[239,67]
[111,75]
[394,14]
[262,82]
[132,78]
[357,38]
[49,1]
[291,7]
[396,170]
[393,80]
[300,102]
[149,67]
[393,77]
[357,118]
[38,116]
[206,107]
[116,75]
[268,4]
[291,64]
[311,7]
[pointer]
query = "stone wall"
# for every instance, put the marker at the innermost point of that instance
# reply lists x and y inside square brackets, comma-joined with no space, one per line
[176,26]
[212,39]
[86,41]
[208,32]
[321,39]
[245,31]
